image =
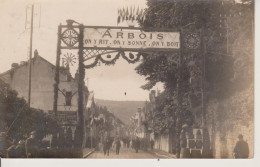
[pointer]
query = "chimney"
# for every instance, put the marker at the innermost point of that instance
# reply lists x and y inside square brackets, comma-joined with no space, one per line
[36,53]
[22,62]
[14,65]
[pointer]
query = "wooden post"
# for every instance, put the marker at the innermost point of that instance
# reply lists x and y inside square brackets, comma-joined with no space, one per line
[179,99]
[30,60]
[81,86]
[203,77]
[57,74]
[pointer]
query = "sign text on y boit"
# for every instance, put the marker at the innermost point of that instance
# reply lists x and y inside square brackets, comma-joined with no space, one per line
[116,38]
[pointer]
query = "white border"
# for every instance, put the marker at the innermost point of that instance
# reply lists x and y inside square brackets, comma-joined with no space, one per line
[255,162]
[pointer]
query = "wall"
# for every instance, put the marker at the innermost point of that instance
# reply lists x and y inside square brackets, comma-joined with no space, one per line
[42,80]
[224,146]
[162,142]
[230,117]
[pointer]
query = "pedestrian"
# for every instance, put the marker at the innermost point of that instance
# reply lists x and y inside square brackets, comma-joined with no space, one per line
[20,150]
[241,149]
[54,140]
[5,143]
[152,144]
[137,144]
[128,142]
[69,137]
[118,145]
[31,146]
[10,152]
[133,143]
[61,140]
[106,146]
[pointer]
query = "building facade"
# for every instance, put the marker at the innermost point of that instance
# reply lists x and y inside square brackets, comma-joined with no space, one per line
[42,90]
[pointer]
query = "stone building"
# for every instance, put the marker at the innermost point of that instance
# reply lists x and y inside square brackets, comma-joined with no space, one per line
[42,90]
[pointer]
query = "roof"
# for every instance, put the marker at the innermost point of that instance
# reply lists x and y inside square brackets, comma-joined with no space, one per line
[26,62]
[33,59]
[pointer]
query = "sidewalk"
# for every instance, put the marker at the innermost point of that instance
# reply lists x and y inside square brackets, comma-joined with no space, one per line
[87,152]
[161,153]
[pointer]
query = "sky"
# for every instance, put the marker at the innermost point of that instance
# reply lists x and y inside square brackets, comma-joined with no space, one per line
[118,82]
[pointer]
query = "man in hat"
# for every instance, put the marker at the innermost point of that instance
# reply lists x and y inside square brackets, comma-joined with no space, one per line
[20,150]
[31,147]
[118,145]
[241,149]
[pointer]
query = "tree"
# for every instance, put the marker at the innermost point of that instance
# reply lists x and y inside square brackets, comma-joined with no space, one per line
[18,119]
[218,69]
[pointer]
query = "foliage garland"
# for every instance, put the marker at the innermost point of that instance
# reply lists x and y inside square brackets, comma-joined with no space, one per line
[129,60]
[111,62]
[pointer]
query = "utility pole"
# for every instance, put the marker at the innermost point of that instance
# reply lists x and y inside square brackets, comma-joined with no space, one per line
[30,58]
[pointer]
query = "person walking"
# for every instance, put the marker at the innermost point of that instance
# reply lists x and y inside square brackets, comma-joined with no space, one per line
[152,144]
[20,150]
[106,146]
[137,144]
[5,143]
[241,149]
[69,137]
[31,146]
[118,145]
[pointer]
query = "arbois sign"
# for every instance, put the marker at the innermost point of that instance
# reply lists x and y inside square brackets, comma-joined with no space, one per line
[132,39]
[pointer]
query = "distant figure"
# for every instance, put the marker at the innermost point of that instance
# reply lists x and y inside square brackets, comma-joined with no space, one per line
[152,144]
[54,140]
[61,140]
[11,151]
[106,146]
[20,150]
[137,144]
[132,143]
[118,145]
[241,149]
[76,141]
[31,146]
[69,137]
[128,142]
[5,143]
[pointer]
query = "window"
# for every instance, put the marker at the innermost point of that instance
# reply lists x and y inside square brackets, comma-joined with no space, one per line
[68,98]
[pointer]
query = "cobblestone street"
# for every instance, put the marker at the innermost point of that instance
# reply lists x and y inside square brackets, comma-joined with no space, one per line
[125,153]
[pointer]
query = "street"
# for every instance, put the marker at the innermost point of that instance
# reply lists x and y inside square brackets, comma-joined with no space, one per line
[125,153]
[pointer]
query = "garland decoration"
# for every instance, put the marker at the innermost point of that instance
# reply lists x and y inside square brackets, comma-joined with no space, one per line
[109,62]
[131,59]
[106,62]
[93,64]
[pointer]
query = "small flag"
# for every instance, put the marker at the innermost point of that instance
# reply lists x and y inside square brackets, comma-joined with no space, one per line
[123,14]
[126,18]
[118,19]
[137,11]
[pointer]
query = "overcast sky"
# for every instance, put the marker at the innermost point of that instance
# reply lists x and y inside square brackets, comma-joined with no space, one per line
[107,82]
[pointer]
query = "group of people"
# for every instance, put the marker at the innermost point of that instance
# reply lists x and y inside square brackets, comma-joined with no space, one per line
[27,148]
[136,143]
[107,144]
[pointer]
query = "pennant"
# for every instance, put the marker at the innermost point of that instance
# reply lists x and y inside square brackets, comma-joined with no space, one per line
[131,12]
[126,18]
[118,20]
[123,14]
[137,11]
[140,14]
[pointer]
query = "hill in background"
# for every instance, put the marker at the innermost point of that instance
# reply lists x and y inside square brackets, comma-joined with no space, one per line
[121,109]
